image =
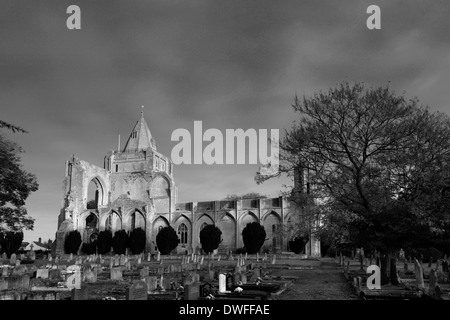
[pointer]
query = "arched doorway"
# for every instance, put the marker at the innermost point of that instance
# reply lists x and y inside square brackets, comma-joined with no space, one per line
[272,225]
[228,227]
[91,228]
[113,222]
[137,220]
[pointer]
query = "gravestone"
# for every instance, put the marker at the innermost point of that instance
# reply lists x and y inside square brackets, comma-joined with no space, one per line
[5,272]
[31,255]
[4,256]
[89,276]
[192,291]
[54,275]
[195,277]
[152,282]
[143,272]
[438,293]
[12,259]
[122,260]
[418,270]
[137,291]
[244,278]
[71,257]
[433,282]
[116,274]
[3,284]
[222,283]
[19,270]
[19,282]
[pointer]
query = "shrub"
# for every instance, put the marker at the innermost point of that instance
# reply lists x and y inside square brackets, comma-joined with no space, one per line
[241,250]
[297,245]
[104,242]
[166,240]
[137,240]
[89,248]
[10,242]
[210,238]
[120,242]
[72,242]
[253,236]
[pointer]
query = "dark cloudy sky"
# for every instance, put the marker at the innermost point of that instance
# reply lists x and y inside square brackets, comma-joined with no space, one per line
[231,64]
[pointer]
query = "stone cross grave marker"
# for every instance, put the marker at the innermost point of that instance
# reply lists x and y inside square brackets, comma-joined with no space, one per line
[137,291]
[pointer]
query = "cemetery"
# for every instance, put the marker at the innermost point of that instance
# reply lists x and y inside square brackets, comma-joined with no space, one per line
[142,277]
[206,277]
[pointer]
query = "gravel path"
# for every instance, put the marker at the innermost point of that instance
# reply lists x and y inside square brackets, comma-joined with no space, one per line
[325,282]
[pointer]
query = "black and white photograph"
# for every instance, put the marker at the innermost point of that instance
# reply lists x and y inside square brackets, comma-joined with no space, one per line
[224,157]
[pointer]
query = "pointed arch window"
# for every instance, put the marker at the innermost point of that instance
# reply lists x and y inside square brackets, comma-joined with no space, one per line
[182,233]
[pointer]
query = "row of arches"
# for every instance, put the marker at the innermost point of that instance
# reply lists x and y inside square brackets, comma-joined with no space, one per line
[185,230]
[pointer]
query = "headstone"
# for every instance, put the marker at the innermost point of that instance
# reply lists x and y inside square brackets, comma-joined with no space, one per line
[31,255]
[274,259]
[19,270]
[201,260]
[116,261]
[433,282]
[158,257]
[71,257]
[4,256]
[54,275]
[243,278]
[12,259]
[195,277]
[438,293]
[128,265]
[222,283]
[19,282]
[139,260]
[143,272]
[192,291]
[152,282]
[116,274]
[418,270]
[122,260]
[5,272]
[137,291]
[89,276]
